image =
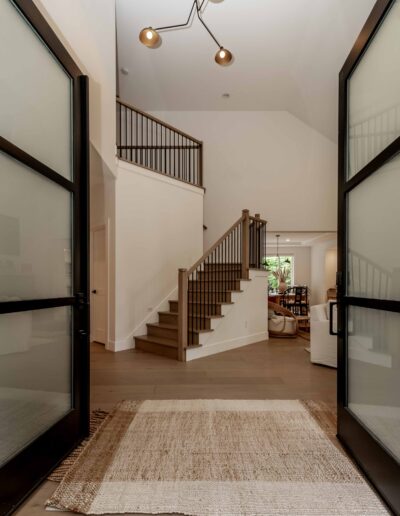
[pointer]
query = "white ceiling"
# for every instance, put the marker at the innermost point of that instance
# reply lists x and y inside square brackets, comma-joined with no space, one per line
[288,54]
[297,238]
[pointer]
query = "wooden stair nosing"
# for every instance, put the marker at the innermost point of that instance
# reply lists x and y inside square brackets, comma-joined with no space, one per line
[207,302]
[194,315]
[162,341]
[216,291]
[165,326]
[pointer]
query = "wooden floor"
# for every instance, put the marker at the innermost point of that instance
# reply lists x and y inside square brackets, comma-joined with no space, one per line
[275,369]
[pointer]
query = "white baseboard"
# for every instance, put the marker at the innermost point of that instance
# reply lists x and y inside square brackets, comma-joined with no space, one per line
[219,347]
[120,345]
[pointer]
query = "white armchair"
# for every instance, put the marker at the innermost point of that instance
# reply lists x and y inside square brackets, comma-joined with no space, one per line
[323,347]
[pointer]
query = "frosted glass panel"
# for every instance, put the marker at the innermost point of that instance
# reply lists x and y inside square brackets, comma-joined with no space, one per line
[35,375]
[373,235]
[374,373]
[35,101]
[35,234]
[374,105]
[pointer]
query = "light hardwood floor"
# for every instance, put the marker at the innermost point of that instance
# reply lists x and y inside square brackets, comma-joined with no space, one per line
[275,369]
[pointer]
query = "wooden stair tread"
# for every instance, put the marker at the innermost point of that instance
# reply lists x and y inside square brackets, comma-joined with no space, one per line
[211,302]
[216,316]
[220,280]
[162,341]
[174,327]
[163,325]
[216,291]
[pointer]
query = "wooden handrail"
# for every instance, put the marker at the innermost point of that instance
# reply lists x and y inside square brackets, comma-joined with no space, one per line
[257,217]
[159,121]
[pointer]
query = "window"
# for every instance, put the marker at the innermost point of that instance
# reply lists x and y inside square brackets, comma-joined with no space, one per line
[283,263]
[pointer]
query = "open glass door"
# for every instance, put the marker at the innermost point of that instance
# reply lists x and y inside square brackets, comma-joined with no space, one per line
[369,261]
[44,373]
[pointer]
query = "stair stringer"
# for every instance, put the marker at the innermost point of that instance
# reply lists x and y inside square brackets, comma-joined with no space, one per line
[152,316]
[245,322]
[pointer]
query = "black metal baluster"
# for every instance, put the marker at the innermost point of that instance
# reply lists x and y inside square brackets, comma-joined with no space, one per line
[131,134]
[184,158]
[162,144]
[180,164]
[212,272]
[208,294]
[219,276]
[140,135]
[230,254]
[119,127]
[175,160]
[158,150]
[169,153]
[136,137]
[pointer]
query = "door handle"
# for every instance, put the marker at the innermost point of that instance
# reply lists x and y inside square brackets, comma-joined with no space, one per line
[331,331]
[94,291]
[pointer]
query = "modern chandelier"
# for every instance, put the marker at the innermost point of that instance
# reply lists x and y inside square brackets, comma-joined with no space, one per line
[150,37]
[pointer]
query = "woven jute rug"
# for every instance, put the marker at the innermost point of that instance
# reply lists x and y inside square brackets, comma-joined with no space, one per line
[97,417]
[216,457]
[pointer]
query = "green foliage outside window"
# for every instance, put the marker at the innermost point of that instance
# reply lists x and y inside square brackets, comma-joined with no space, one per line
[271,263]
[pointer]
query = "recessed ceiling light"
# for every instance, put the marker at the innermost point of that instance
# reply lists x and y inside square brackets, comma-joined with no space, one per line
[288,240]
[226,95]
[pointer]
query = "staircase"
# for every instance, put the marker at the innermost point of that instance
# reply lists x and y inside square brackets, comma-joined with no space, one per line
[206,290]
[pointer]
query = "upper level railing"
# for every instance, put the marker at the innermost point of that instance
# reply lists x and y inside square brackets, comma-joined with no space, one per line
[149,142]
[210,281]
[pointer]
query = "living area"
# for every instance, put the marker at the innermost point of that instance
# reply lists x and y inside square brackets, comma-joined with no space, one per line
[302,290]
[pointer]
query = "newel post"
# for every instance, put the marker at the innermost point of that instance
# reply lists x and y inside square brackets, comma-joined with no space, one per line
[182,314]
[245,243]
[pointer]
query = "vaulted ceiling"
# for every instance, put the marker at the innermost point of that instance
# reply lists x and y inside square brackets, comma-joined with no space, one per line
[288,54]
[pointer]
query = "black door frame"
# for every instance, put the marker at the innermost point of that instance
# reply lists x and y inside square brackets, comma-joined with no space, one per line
[378,465]
[25,471]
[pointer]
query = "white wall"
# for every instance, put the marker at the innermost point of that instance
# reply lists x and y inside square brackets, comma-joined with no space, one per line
[159,229]
[87,30]
[302,262]
[244,322]
[268,162]
[323,268]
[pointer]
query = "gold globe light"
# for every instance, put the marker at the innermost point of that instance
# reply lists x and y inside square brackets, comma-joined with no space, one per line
[149,37]
[223,57]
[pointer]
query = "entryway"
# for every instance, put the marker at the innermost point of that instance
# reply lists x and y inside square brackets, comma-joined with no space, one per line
[267,370]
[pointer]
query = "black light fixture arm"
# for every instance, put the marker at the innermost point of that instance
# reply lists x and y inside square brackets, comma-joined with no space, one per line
[180,24]
[198,9]
[198,12]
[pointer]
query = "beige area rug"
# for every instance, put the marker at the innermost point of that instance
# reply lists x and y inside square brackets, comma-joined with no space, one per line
[216,457]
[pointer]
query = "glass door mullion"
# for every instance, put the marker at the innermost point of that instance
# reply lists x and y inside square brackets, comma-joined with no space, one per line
[35,304]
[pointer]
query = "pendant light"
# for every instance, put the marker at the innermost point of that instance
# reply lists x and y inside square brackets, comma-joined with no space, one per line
[151,38]
[223,57]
